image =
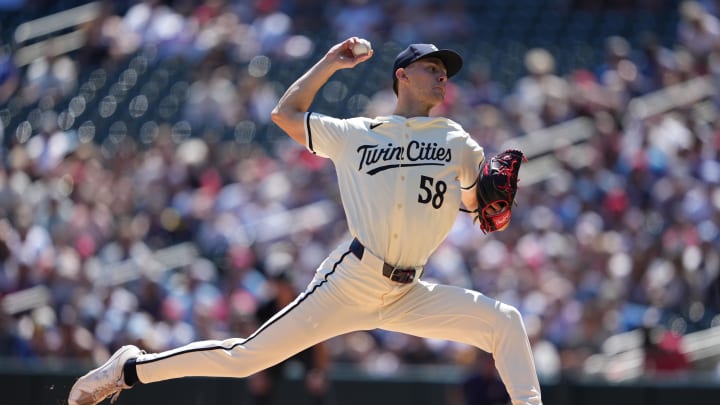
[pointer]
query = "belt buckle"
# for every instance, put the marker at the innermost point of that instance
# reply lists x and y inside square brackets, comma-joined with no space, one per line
[404,276]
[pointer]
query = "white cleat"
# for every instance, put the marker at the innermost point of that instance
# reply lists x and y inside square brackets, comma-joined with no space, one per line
[103,381]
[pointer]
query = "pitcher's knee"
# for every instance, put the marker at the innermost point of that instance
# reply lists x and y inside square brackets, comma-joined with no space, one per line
[510,317]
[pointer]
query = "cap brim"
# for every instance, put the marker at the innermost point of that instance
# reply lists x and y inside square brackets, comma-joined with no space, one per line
[452,60]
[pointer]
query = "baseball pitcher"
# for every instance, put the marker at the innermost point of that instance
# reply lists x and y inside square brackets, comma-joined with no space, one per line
[403,178]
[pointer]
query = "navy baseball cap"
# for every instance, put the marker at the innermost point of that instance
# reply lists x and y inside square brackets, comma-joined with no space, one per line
[452,60]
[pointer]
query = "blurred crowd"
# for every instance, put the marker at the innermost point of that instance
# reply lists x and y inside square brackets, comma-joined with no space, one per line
[628,239]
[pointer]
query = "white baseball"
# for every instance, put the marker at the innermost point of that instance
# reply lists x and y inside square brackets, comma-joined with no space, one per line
[361,48]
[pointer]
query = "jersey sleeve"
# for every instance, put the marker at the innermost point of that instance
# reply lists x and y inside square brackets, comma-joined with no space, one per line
[324,134]
[473,155]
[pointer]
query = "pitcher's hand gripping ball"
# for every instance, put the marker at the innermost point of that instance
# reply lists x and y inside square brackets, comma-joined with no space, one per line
[363,47]
[496,188]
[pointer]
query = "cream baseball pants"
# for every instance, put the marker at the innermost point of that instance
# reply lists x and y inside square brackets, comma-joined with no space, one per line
[349,294]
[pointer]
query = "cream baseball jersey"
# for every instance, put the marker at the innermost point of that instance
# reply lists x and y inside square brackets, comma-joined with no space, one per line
[400,178]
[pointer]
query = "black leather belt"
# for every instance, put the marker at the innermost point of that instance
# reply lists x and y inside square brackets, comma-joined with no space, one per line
[395,274]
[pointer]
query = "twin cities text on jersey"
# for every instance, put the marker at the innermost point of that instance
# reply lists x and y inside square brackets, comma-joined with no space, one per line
[375,157]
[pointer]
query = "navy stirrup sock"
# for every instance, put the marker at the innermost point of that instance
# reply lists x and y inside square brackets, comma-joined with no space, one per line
[130,373]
